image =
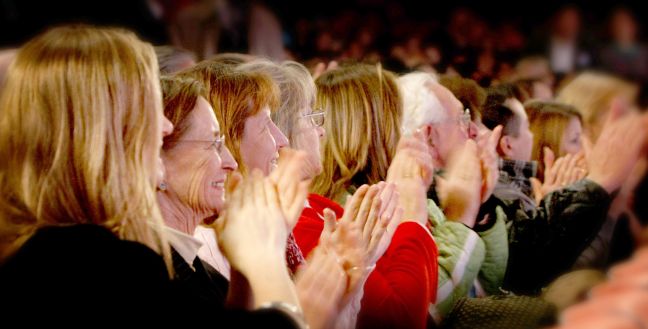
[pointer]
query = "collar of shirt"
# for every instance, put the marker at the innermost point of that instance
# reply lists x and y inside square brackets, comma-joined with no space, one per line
[186,245]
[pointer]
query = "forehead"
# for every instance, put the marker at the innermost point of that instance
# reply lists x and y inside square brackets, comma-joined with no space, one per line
[202,120]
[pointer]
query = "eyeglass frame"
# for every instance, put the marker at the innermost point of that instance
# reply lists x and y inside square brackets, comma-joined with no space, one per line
[218,143]
[317,113]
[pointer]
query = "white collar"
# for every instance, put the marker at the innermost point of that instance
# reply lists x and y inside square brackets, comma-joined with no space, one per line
[186,245]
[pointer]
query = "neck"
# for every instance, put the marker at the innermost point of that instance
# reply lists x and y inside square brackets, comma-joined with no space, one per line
[177,215]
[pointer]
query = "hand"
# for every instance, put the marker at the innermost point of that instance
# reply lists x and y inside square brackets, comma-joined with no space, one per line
[356,236]
[417,147]
[460,191]
[251,230]
[320,285]
[292,191]
[407,174]
[565,171]
[617,149]
[488,159]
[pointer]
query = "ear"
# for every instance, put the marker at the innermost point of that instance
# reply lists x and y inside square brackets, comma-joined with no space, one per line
[504,148]
[431,135]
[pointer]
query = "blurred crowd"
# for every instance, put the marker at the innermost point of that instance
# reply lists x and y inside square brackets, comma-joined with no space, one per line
[235,164]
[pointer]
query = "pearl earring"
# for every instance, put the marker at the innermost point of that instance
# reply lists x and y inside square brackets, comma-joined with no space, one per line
[162,186]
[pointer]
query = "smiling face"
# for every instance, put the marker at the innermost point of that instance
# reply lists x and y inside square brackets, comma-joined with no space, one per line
[261,142]
[198,164]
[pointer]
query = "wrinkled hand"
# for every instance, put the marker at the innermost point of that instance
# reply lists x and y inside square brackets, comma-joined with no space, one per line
[563,172]
[460,190]
[320,286]
[617,149]
[252,230]
[410,177]
[488,159]
[292,191]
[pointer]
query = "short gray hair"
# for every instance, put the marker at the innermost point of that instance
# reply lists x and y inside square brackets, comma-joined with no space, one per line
[420,105]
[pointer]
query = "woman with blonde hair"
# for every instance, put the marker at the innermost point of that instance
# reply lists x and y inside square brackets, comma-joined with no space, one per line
[363,110]
[593,93]
[82,128]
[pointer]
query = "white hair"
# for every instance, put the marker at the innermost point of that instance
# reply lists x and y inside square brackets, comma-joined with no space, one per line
[420,105]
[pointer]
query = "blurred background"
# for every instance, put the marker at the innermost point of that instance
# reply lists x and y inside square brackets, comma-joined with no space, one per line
[488,41]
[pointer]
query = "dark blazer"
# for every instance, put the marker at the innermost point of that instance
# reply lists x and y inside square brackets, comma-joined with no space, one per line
[83,275]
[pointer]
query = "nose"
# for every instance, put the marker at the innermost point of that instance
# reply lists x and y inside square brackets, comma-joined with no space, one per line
[280,139]
[227,160]
[167,127]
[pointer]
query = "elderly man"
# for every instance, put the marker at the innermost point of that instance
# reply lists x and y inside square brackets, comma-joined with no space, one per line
[466,251]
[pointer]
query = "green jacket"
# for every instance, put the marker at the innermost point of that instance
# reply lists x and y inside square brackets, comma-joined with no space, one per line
[466,256]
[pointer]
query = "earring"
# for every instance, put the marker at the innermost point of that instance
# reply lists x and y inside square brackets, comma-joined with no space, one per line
[162,186]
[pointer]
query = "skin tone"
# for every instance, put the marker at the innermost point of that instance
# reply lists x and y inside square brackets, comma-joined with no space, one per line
[571,141]
[261,142]
[444,136]
[307,138]
[517,147]
[197,168]
[167,129]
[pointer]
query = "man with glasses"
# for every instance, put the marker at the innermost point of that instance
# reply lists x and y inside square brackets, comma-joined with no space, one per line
[466,255]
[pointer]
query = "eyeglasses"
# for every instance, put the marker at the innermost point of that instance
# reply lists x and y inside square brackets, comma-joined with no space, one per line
[316,117]
[464,119]
[216,144]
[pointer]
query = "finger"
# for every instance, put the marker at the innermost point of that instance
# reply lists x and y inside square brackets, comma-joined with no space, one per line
[537,189]
[365,206]
[372,219]
[353,203]
[391,205]
[330,221]
[548,157]
[494,138]
[386,196]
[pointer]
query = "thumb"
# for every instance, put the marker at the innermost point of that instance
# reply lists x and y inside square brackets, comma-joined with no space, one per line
[548,157]
[330,221]
[537,188]
[617,108]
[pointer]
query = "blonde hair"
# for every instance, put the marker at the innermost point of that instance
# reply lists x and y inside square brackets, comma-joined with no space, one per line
[363,109]
[592,93]
[80,136]
[297,90]
[547,122]
[235,96]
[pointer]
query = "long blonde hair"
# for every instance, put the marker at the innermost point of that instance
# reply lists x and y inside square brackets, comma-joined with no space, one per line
[363,110]
[592,94]
[80,136]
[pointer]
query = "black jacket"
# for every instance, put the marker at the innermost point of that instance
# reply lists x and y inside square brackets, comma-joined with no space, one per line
[83,275]
[545,241]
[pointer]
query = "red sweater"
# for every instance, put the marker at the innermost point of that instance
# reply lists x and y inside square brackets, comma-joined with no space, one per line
[399,290]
